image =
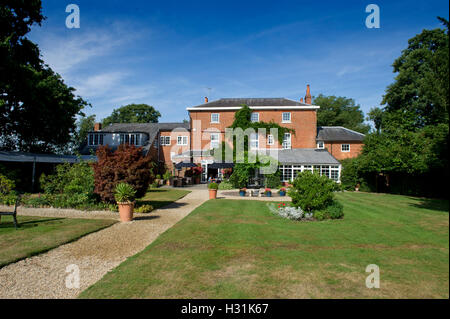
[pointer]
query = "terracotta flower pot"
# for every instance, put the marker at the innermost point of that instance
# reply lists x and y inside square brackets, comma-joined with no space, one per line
[168,182]
[126,211]
[212,193]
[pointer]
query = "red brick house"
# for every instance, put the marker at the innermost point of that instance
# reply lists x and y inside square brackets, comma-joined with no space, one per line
[310,147]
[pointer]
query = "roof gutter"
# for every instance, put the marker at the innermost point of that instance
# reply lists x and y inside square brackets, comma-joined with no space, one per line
[225,108]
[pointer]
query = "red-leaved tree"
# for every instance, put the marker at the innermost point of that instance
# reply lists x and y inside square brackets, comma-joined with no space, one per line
[127,164]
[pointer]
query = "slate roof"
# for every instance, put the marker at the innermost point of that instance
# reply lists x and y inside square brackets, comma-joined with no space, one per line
[306,156]
[229,102]
[151,129]
[338,133]
[42,158]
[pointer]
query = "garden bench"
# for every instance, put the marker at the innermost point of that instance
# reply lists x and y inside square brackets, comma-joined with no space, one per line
[13,214]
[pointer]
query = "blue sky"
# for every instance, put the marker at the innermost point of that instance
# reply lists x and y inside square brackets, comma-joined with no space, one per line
[171,54]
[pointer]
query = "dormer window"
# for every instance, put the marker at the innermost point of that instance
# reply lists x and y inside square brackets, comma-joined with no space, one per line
[95,139]
[320,145]
[132,139]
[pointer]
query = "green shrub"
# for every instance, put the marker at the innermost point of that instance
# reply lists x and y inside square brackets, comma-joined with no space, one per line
[7,194]
[311,192]
[335,210]
[124,193]
[144,209]
[225,185]
[272,180]
[213,186]
[167,175]
[320,215]
[36,201]
[158,176]
[153,185]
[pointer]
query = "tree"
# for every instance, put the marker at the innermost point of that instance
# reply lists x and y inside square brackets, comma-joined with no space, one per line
[340,111]
[37,109]
[133,113]
[421,87]
[408,153]
[125,165]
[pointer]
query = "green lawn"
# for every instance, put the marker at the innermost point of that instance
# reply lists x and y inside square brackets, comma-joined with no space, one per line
[36,235]
[238,249]
[159,197]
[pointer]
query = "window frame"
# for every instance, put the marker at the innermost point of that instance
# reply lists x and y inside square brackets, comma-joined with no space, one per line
[95,139]
[270,139]
[211,140]
[218,117]
[184,140]
[286,121]
[163,140]
[284,145]
[342,148]
[251,117]
[254,142]
[320,147]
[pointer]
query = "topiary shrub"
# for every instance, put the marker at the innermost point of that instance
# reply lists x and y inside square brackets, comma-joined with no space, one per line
[127,164]
[7,194]
[311,192]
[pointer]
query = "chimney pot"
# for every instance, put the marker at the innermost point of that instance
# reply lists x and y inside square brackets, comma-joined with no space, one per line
[301,100]
[308,95]
[97,126]
[206,99]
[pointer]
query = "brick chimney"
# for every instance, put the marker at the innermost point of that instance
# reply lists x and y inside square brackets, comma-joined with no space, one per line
[206,99]
[301,100]
[308,95]
[97,126]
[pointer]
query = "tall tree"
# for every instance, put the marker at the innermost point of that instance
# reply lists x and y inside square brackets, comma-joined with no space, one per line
[421,88]
[37,109]
[340,111]
[133,113]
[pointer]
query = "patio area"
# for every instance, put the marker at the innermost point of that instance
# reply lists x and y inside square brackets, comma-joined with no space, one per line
[252,194]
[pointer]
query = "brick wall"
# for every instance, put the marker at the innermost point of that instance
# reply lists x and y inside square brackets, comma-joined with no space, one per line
[335,149]
[302,121]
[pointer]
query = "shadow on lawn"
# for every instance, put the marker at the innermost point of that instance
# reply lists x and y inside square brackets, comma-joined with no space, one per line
[432,204]
[26,224]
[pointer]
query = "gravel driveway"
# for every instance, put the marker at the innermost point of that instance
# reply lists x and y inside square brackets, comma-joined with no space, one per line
[44,276]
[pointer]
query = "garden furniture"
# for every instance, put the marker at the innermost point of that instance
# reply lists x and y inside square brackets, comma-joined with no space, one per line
[13,213]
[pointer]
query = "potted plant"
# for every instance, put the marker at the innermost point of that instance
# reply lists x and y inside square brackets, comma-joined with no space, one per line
[213,190]
[167,176]
[242,191]
[124,196]
[268,192]
[197,172]
[282,191]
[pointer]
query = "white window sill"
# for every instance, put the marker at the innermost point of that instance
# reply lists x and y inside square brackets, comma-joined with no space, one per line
[286,122]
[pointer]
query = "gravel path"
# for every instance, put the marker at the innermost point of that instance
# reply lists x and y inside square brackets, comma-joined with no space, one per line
[44,276]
